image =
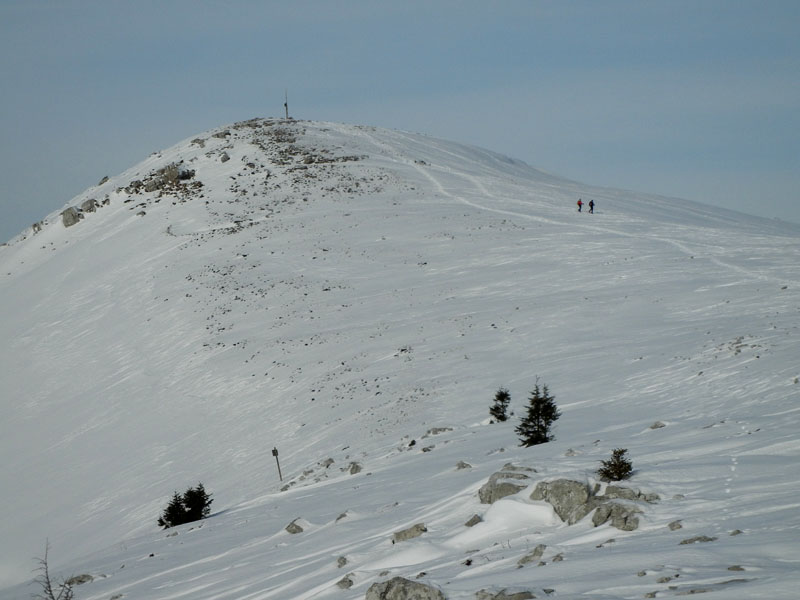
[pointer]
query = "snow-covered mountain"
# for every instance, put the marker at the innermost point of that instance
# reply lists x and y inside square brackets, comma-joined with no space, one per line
[354,297]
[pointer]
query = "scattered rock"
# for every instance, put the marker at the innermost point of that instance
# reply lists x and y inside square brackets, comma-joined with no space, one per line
[410,533]
[506,482]
[400,588]
[437,431]
[675,525]
[503,595]
[345,582]
[355,468]
[735,568]
[103,180]
[698,539]
[79,579]
[736,532]
[462,465]
[294,527]
[532,556]
[474,520]
[658,425]
[341,561]
[224,157]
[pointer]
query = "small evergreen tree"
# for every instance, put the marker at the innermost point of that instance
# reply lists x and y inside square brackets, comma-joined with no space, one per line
[500,407]
[534,428]
[195,504]
[617,468]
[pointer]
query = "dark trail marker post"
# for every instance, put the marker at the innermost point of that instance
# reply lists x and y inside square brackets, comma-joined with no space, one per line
[275,454]
[286,104]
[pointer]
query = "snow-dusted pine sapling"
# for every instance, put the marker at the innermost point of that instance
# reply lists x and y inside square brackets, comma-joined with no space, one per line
[499,410]
[541,412]
[617,468]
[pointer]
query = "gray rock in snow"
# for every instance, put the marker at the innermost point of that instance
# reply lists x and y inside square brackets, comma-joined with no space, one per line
[571,500]
[622,516]
[537,553]
[89,205]
[294,527]
[345,582]
[70,216]
[506,482]
[399,588]
[410,533]
[503,595]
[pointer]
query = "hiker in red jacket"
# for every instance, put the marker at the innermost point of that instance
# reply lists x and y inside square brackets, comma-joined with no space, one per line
[580,204]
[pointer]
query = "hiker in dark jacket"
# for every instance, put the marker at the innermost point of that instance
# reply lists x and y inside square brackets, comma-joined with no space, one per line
[591,206]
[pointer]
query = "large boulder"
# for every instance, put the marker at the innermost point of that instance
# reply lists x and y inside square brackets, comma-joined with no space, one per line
[400,588]
[70,216]
[506,482]
[571,500]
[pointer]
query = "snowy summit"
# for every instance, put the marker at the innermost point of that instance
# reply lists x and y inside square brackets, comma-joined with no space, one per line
[351,299]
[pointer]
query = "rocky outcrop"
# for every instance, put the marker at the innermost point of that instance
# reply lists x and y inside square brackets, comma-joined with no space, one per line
[509,480]
[400,588]
[573,500]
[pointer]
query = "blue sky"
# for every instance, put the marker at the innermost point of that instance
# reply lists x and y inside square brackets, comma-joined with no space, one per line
[698,99]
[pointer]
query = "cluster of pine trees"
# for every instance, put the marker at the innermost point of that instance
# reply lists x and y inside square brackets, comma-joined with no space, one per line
[193,505]
[535,428]
[541,412]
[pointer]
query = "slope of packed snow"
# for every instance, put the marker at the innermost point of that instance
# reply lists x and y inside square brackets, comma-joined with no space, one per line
[337,292]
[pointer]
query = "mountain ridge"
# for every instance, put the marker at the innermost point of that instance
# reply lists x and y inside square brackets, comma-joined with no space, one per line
[338,291]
